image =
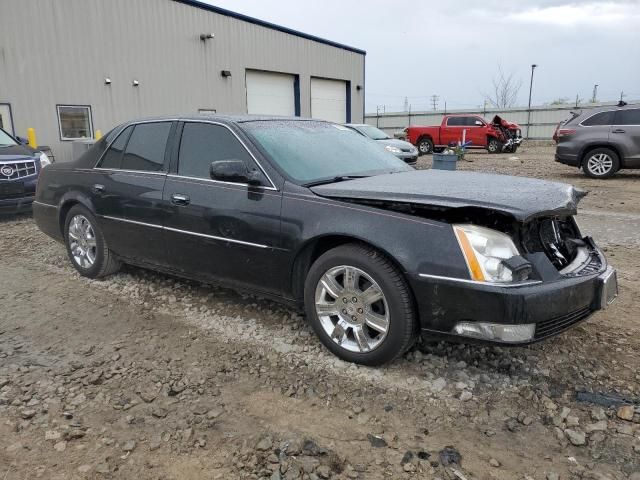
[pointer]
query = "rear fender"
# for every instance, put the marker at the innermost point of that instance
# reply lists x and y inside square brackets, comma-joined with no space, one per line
[68,200]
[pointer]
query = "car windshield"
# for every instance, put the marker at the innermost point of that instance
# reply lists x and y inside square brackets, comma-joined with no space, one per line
[6,140]
[310,151]
[373,132]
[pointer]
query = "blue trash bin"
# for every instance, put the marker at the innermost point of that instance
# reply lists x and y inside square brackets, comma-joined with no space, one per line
[444,161]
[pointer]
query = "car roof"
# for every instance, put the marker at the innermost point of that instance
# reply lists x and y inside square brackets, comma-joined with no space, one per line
[608,108]
[224,118]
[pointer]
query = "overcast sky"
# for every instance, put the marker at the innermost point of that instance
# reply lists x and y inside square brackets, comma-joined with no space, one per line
[452,49]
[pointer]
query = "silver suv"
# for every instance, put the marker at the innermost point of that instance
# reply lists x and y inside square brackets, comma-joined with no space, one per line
[600,141]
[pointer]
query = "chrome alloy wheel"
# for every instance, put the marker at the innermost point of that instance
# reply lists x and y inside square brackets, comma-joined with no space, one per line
[352,309]
[82,241]
[424,147]
[600,164]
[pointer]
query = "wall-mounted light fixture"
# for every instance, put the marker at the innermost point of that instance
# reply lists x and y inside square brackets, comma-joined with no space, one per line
[358,87]
[107,81]
[225,73]
[206,36]
[135,83]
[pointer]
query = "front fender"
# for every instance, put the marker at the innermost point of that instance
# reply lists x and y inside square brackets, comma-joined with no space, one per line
[416,244]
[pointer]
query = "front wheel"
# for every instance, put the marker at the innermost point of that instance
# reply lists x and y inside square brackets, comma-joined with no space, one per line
[360,305]
[494,146]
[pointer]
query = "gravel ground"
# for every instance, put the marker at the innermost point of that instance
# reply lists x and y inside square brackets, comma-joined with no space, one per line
[146,376]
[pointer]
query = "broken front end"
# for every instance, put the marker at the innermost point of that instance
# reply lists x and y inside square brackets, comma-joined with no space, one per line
[509,132]
[539,279]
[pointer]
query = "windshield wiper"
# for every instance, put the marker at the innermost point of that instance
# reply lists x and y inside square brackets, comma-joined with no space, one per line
[339,178]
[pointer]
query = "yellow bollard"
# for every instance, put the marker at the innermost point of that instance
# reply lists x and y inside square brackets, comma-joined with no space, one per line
[31,136]
[98,134]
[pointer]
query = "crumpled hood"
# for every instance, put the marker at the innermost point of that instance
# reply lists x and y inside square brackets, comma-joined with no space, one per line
[522,198]
[505,123]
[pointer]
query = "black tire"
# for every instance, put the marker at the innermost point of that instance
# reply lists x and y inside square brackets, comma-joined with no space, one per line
[425,146]
[493,145]
[398,303]
[607,169]
[105,262]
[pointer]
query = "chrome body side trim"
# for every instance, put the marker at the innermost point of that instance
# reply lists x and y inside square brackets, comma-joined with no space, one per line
[187,232]
[124,170]
[42,204]
[135,222]
[213,237]
[256,187]
[527,283]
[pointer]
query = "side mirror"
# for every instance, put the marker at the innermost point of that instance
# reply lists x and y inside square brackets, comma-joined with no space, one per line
[233,171]
[22,140]
[479,123]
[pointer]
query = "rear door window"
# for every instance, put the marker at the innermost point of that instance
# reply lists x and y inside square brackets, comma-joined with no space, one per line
[628,117]
[113,157]
[602,118]
[203,143]
[146,148]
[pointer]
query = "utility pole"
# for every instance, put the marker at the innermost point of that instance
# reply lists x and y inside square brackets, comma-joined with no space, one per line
[434,101]
[594,97]
[577,99]
[533,67]
[406,104]
[409,124]
[377,115]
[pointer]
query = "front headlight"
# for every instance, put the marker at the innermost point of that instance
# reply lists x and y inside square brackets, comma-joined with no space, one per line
[391,149]
[484,250]
[44,160]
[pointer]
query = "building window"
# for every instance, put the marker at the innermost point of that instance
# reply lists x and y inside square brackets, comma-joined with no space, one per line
[75,122]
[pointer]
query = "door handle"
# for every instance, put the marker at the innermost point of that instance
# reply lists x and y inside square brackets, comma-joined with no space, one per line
[180,199]
[97,188]
[617,130]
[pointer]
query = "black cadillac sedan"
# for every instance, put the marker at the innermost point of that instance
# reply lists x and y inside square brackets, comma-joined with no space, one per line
[315,215]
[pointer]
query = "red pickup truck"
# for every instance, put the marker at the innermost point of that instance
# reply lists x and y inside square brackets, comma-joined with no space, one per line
[496,136]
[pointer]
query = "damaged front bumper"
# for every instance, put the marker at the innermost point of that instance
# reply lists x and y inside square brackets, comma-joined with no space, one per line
[519,313]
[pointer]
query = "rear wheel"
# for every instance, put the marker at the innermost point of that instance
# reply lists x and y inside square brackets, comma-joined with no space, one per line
[360,305]
[86,246]
[600,163]
[493,145]
[425,146]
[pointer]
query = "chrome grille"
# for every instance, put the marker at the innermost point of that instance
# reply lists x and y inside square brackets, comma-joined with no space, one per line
[16,170]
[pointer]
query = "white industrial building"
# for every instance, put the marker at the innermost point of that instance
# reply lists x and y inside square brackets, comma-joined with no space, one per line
[71,67]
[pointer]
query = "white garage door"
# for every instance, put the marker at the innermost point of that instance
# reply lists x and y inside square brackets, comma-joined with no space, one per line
[329,100]
[270,93]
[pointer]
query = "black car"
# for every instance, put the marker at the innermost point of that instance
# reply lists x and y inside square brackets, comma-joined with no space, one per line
[315,215]
[20,166]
